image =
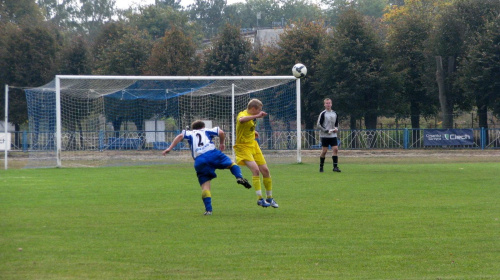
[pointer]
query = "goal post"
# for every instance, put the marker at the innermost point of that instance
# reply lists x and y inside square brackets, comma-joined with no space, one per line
[101,120]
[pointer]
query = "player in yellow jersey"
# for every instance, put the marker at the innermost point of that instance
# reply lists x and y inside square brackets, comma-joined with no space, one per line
[248,152]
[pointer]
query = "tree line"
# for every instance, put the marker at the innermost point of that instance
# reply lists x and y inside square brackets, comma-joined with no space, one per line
[402,59]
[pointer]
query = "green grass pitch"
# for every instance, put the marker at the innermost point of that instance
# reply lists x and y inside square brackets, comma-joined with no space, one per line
[390,220]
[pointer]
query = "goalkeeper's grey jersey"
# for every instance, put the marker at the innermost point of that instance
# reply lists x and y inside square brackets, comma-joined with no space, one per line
[327,120]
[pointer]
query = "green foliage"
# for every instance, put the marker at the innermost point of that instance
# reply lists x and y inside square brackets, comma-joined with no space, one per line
[60,13]
[93,14]
[235,14]
[27,58]
[269,11]
[245,14]
[409,29]
[397,2]
[229,55]
[174,55]
[31,52]
[300,42]
[19,11]
[479,75]
[175,4]
[299,10]
[386,220]
[120,50]
[371,8]
[266,14]
[209,15]
[157,20]
[351,71]
[59,34]
[455,30]
[76,58]
[459,22]
[335,9]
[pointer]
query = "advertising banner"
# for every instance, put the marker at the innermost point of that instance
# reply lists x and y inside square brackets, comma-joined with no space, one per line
[4,141]
[448,137]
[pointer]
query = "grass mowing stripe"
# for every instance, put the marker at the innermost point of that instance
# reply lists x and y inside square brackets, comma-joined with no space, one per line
[372,221]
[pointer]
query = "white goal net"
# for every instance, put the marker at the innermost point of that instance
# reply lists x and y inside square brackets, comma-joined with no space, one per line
[115,120]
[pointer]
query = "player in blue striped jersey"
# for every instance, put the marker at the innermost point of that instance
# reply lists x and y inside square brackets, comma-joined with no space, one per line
[207,158]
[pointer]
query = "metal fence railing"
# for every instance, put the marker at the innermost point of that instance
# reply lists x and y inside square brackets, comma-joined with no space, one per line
[24,141]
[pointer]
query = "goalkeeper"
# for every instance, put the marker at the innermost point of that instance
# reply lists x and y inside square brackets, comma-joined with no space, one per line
[328,124]
[207,158]
[248,152]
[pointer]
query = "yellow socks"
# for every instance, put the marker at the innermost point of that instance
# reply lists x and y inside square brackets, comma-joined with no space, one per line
[268,184]
[257,186]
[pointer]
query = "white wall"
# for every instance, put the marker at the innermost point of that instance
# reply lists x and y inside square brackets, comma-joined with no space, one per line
[10,128]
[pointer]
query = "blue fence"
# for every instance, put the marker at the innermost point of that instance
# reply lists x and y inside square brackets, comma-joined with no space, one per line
[270,140]
[400,139]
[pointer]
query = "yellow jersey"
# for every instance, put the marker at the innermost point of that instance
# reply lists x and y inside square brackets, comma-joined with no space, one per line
[245,132]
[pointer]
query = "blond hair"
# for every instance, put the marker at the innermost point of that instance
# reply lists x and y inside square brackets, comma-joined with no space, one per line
[254,103]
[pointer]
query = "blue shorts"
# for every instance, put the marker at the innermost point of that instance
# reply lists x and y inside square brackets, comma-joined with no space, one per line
[206,164]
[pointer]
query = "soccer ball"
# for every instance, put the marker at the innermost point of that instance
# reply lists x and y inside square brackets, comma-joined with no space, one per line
[299,70]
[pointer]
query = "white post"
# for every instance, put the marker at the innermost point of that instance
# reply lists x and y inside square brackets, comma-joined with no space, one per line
[6,124]
[233,123]
[299,127]
[58,121]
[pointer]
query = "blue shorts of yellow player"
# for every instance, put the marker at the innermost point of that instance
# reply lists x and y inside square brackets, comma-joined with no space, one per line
[206,164]
[249,152]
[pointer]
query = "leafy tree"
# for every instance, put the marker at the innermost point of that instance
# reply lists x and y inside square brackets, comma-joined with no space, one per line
[28,50]
[456,26]
[409,31]
[251,14]
[76,58]
[298,10]
[229,55]
[93,14]
[397,2]
[158,19]
[175,4]
[479,75]
[27,59]
[269,13]
[120,50]
[20,11]
[174,55]
[30,55]
[352,72]
[235,14]
[300,42]
[335,8]
[209,14]
[60,13]
[372,8]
